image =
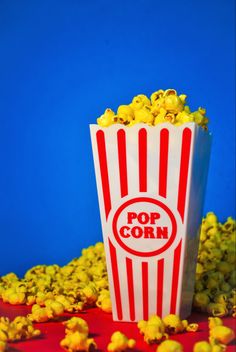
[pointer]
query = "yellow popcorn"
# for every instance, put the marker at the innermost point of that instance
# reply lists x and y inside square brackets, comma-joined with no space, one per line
[170,346]
[183,117]
[153,329]
[173,104]
[107,118]
[120,342]
[139,102]
[217,309]
[214,321]
[76,324]
[160,117]
[215,274]
[13,297]
[204,346]
[104,301]
[77,341]
[163,106]
[3,346]
[156,96]
[221,334]
[40,314]
[144,115]
[125,114]
[19,329]
[173,324]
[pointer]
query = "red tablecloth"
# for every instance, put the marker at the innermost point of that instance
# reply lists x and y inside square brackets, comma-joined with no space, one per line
[101,328]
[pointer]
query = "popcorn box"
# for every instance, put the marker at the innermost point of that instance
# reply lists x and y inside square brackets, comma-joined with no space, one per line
[151,183]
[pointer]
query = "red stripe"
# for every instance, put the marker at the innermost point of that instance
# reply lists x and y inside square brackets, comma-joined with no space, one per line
[104,171]
[163,163]
[175,278]
[142,160]
[184,168]
[145,289]
[116,281]
[130,279]
[160,277]
[121,141]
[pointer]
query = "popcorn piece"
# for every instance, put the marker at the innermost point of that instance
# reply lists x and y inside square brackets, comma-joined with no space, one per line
[77,341]
[119,342]
[104,301]
[107,118]
[20,328]
[76,324]
[214,321]
[221,334]
[170,346]
[204,346]
[3,346]
[125,114]
[153,329]
[215,274]
[173,324]
[76,338]
[163,106]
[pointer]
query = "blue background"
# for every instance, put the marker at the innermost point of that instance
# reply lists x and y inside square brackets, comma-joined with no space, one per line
[61,64]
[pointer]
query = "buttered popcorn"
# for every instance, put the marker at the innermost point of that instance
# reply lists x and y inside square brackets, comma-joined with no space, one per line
[120,342]
[163,106]
[215,286]
[52,290]
[155,329]
[21,328]
[77,336]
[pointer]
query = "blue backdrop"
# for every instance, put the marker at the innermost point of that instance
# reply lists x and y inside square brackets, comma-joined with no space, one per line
[61,64]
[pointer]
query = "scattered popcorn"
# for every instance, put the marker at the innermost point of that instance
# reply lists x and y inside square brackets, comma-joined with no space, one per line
[21,328]
[76,338]
[119,342]
[204,346]
[3,346]
[170,346]
[221,334]
[78,285]
[104,301]
[215,284]
[174,325]
[76,324]
[77,341]
[156,329]
[153,329]
[163,106]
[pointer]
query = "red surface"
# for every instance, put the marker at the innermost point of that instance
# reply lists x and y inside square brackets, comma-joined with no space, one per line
[101,327]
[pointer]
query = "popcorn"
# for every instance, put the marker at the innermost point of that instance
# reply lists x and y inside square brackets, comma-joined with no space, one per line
[119,342]
[76,324]
[170,346]
[104,301]
[153,329]
[21,328]
[83,282]
[215,274]
[204,346]
[78,342]
[76,338]
[156,329]
[221,334]
[163,106]
[3,346]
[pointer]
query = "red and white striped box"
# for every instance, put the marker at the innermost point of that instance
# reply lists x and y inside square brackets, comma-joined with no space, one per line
[151,184]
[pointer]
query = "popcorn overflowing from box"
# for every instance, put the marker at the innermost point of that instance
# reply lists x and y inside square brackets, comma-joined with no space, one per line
[151,174]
